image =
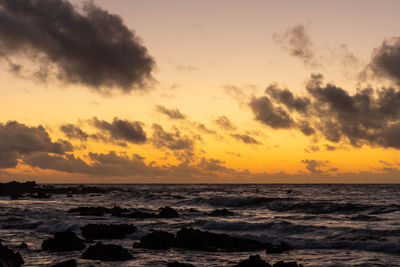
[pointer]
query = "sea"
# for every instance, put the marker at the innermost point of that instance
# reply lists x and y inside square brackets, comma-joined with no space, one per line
[326,224]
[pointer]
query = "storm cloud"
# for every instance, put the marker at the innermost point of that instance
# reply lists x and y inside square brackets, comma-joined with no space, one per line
[122,130]
[90,47]
[17,140]
[369,116]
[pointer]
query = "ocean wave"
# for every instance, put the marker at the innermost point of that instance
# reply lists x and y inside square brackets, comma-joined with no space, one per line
[242,201]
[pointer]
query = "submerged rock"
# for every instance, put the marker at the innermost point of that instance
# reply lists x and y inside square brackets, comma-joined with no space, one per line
[23,245]
[283,247]
[178,264]
[198,240]
[107,231]
[156,240]
[253,261]
[68,263]
[221,212]
[8,258]
[287,264]
[63,241]
[107,253]
[165,212]
[98,211]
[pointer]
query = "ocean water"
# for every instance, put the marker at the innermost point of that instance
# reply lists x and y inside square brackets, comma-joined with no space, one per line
[327,225]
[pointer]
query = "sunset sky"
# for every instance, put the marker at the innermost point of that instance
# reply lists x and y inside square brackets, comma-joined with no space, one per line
[213,91]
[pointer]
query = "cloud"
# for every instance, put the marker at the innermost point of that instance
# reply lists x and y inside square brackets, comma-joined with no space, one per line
[204,129]
[265,112]
[225,123]
[74,132]
[287,98]
[385,62]
[124,130]
[296,41]
[186,68]
[247,139]
[17,140]
[173,140]
[366,117]
[93,47]
[314,166]
[174,114]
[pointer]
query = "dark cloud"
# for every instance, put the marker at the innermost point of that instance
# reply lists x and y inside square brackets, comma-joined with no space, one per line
[124,130]
[174,114]
[287,98]
[204,129]
[173,140]
[296,41]
[225,123]
[74,132]
[366,117]
[265,112]
[92,47]
[385,62]
[247,139]
[17,139]
[314,166]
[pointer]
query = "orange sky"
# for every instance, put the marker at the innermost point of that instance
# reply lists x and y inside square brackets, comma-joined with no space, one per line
[212,62]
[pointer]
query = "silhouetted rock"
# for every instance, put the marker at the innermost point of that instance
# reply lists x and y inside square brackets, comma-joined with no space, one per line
[168,212]
[23,245]
[198,240]
[68,263]
[287,264]
[253,261]
[16,188]
[283,247]
[106,253]
[8,258]
[221,212]
[178,264]
[156,240]
[107,231]
[63,241]
[41,195]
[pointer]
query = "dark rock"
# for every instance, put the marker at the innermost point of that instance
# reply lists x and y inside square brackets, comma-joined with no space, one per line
[168,212]
[178,264]
[287,264]
[23,245]
[221,212]
[253,261]
[198,240]
[107,231]
[156,240]
[68,263]
[40,195]
[15,197]
[98,211]
[107,253]
[63,241]
[8,258]
[16,188]
[283,247]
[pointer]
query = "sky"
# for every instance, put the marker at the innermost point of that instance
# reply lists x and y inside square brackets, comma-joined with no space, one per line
[200,91]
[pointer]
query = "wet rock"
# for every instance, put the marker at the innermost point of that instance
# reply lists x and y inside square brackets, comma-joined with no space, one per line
[40,195]
[156,240]
[23,245]
[198,240]
[178,264]
[16,188]
[107,253]
[221,212]
[253,261]
[63,241]
[287,264]
[168,212]
[272,249]
[107,231]
[8,258]
[68,263]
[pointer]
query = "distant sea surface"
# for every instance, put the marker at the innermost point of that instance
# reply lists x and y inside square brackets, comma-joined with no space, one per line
[327,225]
